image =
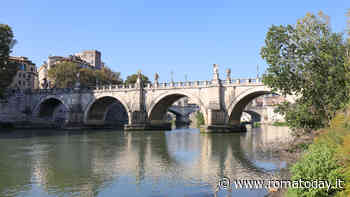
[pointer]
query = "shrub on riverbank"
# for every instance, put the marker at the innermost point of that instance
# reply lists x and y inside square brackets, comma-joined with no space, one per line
[341,122]
[279,124]
[256,124]
[199,118]
[343,156]
[328,158]
[318,164]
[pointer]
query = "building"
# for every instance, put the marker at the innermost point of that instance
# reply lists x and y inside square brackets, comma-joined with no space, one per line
[93,57]
[27,75]
[87,59]
[267,100]
[265,106]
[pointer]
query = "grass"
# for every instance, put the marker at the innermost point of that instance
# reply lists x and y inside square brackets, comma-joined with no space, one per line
[279,124]
[256,124]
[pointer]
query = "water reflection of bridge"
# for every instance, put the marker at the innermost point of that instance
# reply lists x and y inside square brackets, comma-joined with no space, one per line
[85,163]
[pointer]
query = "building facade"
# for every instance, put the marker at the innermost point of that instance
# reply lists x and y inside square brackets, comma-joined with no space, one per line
[86,59]
[93,57]
[27,75]
[264,106]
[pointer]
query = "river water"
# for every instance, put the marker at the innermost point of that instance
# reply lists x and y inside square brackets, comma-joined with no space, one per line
[108,163]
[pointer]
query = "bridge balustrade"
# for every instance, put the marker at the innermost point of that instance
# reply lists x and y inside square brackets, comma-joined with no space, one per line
[132,86]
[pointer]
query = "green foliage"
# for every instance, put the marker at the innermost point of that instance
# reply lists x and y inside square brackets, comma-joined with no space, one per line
[308,60]
[348,24]
[7,69]
[200,119]
[279,124]
[299,117]
[303,146]
[343,155]
[65,75]
[341,122]
[256,124]
[131,79]
[107,76]
[328,158]
[87,77]
[318,164]
[298,147]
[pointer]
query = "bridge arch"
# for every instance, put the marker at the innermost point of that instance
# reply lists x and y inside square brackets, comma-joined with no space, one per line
[159,107]
[96,112]
[47,107]
[255,116]
[237,106]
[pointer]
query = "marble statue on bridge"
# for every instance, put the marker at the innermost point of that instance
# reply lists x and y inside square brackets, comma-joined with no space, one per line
[228,75]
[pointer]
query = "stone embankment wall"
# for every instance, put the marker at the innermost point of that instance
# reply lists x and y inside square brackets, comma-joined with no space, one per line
[11,110]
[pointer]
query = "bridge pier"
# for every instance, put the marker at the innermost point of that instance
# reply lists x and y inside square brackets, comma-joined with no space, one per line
[222,128]
[217,123]
[75,117]
[139,121]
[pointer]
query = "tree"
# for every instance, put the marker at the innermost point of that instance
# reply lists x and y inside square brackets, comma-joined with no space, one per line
[87,77]
[107,76]
[64,74]
[131,79]
[348,24]
[8,69]
[308,60]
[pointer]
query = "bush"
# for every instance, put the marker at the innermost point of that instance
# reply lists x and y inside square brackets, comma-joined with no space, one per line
[341,119]
[200,119]
[300,118]
[256,124]
[279,124]
[343,156]
[319,163]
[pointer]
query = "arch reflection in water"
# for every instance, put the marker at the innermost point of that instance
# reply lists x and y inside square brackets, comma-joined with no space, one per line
[176,163]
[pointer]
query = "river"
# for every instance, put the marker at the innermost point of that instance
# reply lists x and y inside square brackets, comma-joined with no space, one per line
[108,163]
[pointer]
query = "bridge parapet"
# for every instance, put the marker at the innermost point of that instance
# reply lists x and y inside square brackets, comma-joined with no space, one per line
[164,85]
[244,81]
[170,85]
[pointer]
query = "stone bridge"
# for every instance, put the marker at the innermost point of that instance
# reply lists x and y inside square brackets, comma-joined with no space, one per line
[182,113]
[144,106]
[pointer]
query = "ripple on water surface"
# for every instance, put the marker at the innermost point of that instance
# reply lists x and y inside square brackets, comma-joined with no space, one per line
[181,162]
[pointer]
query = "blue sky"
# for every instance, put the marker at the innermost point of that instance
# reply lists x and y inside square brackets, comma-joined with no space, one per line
[182,36]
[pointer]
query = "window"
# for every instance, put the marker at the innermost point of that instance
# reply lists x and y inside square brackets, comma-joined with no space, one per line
[23,67]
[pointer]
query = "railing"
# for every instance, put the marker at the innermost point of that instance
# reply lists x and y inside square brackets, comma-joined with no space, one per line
[243,81]
[166,85]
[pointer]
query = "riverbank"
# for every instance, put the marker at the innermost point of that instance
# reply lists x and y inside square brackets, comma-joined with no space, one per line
[291,152]
[321,155]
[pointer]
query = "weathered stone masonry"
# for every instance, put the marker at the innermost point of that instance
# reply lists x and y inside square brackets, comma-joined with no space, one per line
[221,102]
